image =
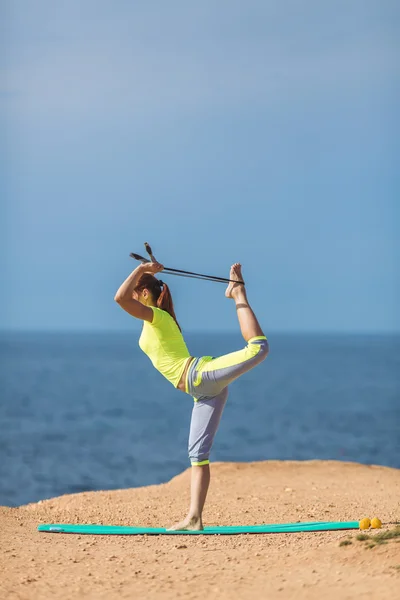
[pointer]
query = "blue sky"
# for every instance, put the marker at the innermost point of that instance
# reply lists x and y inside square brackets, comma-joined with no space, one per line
[261,132]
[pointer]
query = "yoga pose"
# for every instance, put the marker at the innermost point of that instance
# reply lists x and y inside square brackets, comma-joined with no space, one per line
[206,379]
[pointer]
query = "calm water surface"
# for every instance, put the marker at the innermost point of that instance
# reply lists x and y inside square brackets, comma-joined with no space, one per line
[89,412]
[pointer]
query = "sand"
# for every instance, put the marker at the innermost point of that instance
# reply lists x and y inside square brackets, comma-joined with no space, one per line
[39,566]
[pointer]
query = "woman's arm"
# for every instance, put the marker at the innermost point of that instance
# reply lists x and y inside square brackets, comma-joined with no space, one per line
[125,292]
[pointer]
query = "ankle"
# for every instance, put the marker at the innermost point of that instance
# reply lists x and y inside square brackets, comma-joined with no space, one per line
[239,294]
[193,517]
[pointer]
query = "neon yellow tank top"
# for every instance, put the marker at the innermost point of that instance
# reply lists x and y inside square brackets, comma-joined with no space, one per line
[163,343]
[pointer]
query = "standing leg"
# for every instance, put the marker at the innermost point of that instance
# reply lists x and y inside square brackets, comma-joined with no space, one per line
[200,481]
[206,416]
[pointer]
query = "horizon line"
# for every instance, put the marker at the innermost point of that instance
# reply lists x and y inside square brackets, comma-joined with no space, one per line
[202,331]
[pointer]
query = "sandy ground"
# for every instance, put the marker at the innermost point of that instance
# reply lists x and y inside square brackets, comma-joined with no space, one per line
[39,566]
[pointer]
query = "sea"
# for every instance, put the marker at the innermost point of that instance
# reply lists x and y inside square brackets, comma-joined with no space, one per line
[87,411]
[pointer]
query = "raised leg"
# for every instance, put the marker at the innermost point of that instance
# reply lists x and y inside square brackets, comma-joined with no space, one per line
[249,326]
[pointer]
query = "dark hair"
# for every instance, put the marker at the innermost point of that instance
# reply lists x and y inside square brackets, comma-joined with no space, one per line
[160,292]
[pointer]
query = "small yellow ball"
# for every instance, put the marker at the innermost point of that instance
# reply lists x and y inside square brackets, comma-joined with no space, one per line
[365,523]
[376,523]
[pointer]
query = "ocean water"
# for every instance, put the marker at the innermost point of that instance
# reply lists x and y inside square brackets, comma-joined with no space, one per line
[89,412]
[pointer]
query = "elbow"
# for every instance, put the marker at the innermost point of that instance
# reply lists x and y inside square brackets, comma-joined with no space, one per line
[118,298]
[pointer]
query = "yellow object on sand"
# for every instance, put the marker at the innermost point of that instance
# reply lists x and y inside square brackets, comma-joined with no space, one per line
[365,523]
[376,523]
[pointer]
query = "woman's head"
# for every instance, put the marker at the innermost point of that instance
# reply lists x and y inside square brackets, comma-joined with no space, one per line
[151,291]
[148,290]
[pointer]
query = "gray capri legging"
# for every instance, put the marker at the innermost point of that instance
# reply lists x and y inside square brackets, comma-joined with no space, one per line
[207,381]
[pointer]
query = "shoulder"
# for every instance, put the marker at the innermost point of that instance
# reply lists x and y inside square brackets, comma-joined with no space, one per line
[159,316]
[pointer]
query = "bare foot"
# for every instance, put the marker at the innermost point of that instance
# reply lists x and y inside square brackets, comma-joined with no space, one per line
[236,274]
[189,524]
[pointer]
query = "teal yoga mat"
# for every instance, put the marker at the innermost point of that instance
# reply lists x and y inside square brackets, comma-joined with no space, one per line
[242,529]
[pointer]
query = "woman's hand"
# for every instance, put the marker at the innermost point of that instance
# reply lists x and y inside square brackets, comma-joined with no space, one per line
[152,267]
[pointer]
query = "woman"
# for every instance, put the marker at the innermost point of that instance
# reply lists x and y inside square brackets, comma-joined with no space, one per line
[145,297]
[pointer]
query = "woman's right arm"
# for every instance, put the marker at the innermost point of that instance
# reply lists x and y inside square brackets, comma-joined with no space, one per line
[124,296]
[125,292]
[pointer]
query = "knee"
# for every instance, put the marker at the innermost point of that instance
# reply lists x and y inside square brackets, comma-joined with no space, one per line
[264,348]
[199,463]
[198,453]
[260,347]
[198,458]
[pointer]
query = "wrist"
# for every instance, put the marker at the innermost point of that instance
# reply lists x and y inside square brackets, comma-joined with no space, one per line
[140,269]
